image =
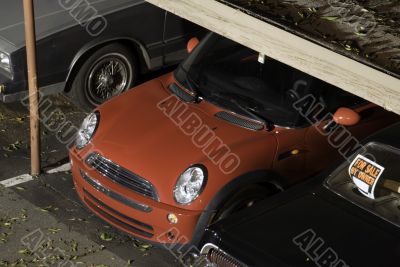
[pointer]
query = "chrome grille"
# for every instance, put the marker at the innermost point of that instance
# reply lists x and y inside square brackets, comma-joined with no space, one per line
[121,176]
[221,259]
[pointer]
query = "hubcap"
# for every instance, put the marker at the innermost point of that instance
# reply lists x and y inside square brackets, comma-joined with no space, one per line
[109,76]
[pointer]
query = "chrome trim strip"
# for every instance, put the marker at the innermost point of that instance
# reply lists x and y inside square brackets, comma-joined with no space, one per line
[132,177]
[108,192]
[206,249]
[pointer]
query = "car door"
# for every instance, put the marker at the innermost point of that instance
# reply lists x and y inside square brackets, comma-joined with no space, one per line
[329,143]
[289,160]
[177,33]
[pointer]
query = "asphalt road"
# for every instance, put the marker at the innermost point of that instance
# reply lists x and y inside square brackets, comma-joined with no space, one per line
[42,222]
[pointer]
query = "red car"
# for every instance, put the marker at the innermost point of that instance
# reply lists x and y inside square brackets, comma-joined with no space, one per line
[229,127]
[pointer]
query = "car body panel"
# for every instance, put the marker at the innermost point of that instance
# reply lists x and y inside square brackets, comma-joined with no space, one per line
[124,213]
[50,17]
[119,141]
[342,144]
[273,233]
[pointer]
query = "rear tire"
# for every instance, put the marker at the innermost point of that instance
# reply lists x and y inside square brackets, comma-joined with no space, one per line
[106,73]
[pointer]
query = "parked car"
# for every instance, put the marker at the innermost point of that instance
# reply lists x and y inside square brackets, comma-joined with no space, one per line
[92,50]
[223,131]
[350,218]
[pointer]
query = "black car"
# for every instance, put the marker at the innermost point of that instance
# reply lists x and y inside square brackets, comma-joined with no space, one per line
[351,218]
[92,50]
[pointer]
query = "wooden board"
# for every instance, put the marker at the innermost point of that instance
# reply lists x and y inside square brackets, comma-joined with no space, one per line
[323,63]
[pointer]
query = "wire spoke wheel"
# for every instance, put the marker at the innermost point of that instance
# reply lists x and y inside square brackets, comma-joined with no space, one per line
[109,76]
[106,72]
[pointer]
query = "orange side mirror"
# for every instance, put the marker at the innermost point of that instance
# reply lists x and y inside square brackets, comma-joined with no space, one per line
[192,44]
[346,117]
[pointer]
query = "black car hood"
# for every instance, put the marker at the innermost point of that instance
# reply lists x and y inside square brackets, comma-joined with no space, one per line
[357,237]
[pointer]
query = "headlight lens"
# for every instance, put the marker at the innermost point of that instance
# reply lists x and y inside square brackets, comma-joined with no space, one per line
[87,130]
[190,185]
[5,62]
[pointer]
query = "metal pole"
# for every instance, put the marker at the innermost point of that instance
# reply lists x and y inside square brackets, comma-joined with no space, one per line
[33,87]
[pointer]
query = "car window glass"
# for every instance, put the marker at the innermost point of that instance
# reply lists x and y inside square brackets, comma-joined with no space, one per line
[271,88]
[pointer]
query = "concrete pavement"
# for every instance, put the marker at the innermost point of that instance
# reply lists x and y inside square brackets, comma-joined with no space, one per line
[42,222]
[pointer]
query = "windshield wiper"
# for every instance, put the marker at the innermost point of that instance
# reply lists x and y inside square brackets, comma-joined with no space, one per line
[194,90]
[247,110]
[189,82]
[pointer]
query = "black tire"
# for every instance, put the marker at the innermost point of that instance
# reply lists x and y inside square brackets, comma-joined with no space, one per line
[109,71]
[243,199]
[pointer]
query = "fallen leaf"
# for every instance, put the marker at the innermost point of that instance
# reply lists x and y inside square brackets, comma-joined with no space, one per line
[106,237]
[330,18]
[24,251]
[54,230]
[20,119]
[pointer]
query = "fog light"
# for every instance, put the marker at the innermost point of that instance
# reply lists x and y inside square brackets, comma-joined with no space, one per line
[171,236]
[172,218]
[2,88]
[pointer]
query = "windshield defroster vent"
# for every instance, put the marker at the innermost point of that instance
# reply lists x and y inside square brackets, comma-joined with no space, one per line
[232,118]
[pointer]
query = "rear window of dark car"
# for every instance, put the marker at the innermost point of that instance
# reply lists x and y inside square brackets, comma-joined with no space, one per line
[371,180]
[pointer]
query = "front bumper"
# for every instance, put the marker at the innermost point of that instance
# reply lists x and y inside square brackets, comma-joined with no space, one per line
[11,90]
[129,211]
[9,98]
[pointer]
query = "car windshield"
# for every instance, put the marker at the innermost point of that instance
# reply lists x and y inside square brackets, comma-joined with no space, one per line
[238,78]
[371,180]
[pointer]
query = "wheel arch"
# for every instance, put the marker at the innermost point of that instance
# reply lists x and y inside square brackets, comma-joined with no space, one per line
[267,179]
[137,48]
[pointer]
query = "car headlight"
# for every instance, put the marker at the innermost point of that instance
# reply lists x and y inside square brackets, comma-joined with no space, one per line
[5,62]
[190,184]
[87,130]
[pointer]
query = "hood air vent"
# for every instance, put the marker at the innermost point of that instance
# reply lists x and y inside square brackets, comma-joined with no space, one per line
[232,118]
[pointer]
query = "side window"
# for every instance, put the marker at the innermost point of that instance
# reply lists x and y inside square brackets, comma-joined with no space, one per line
[179,28]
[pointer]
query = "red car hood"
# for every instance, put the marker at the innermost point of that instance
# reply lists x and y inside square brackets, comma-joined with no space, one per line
[134,133]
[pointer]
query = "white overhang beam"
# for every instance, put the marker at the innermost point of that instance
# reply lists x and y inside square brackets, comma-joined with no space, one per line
[316,60]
